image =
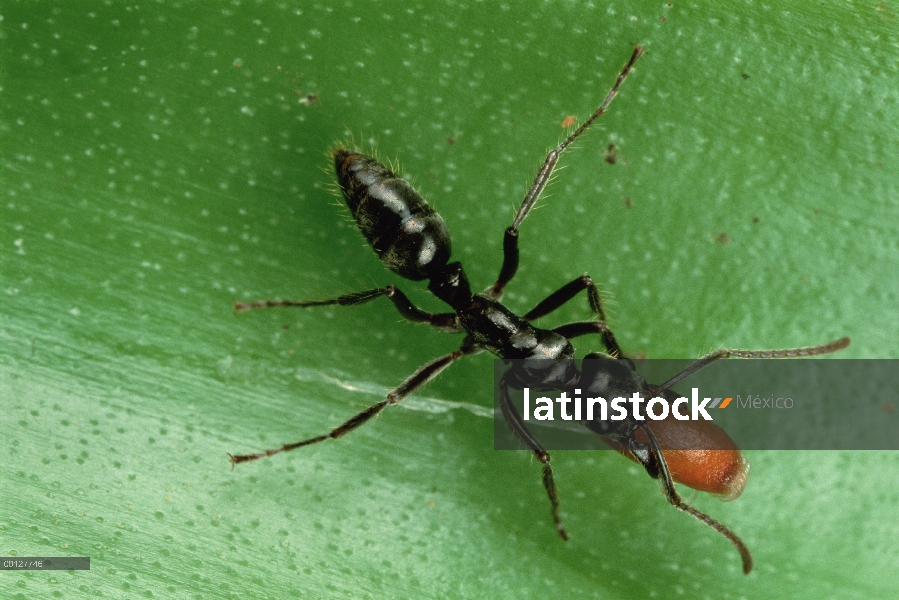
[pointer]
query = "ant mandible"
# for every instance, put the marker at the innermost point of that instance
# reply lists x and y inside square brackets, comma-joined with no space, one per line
[412,240]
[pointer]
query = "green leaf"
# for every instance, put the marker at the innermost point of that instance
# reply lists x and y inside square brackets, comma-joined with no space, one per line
[161,161]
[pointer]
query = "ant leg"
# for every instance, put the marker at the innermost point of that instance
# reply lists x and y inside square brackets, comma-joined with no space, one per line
[660,470]
[423,375]
[527,438]
[708,359]
[579,328]
[510,241]
[566,293]
[444,321]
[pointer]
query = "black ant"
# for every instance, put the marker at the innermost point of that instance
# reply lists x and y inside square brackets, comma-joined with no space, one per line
[412,240]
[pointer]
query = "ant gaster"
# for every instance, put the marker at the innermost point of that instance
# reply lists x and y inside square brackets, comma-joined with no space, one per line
[412,240]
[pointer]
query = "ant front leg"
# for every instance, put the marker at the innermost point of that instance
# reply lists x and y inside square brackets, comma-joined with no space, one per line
[527,438]
[443,321]
[579,328]
[423,375]
[510,241]
[571,330]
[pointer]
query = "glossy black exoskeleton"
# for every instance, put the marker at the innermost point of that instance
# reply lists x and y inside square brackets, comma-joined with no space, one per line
[412,240]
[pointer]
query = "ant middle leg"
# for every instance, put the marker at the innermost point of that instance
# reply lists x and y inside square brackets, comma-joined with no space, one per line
[566,293]
[510,241]
[424,374]
[443,321]
[527,438]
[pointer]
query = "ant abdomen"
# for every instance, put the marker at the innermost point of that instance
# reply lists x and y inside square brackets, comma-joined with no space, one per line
[408,236]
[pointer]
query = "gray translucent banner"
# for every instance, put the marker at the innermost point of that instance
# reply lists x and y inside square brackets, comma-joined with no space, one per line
[45,563]
[776,404]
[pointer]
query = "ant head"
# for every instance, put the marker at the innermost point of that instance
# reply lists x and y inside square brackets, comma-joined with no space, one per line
[450,284]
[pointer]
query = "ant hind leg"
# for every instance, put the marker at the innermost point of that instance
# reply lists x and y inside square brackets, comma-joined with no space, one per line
[423,375]
[527,438]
